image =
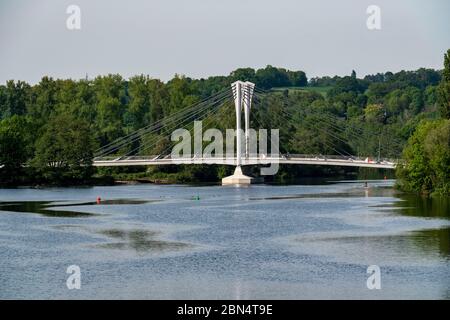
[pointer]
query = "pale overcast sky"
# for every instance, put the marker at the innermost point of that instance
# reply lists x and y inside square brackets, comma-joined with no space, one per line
[200,38]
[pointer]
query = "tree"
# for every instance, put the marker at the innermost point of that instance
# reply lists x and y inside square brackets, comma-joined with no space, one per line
[139,104]
[110,98]
[16,96]
[347,90]
[64,152]
[3,105]
[180,93]
[374,113]
[297,78]
[44,99]
[444,88]
[354,111]
[426,166]
[271,77]
[243,74]
[158,99]
[437,150]
[15,147]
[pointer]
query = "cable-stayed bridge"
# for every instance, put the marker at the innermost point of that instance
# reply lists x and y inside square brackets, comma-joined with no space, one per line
[152,145]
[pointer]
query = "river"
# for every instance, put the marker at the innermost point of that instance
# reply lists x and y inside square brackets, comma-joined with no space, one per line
[213,242]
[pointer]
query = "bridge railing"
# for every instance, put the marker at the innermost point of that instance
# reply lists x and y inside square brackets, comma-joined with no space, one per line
[117,158]
[261,157]
[339,157]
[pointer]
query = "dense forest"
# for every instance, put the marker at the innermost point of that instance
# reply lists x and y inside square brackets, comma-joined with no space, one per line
[49,131]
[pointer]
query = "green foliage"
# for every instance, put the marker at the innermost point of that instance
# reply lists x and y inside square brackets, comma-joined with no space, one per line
[15,148]
[347,85]
[64,151]
[444,88]
[49,130]
[427,159]
[14,98]
[272,77]
[374,113]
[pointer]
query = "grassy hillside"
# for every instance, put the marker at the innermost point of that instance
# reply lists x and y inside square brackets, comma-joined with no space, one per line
[322,90]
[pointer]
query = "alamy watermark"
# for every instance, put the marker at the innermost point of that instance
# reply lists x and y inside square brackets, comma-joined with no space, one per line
[73,21]
[373,21]
[374,280]
[74,280]
[253,144]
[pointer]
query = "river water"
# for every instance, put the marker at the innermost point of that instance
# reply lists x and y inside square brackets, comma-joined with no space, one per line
[213,242]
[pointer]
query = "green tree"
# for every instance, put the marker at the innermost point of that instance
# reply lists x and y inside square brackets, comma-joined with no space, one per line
[243,74]
[139,104]
[180,93]
[426,166]
[297,78]
[444,88]
[374,113]
[271,77]
[16,97]
[64,151]
[3,105]
[158,99]
[44,99]
[15,148]
[354,111]
[110,99]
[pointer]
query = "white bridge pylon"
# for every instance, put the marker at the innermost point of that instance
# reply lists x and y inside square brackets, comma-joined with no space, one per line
[242,94]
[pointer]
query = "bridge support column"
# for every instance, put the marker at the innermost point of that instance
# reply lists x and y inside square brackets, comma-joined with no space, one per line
[248,94]
[242,97]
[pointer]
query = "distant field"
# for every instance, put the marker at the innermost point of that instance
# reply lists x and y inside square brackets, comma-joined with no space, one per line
[322,90]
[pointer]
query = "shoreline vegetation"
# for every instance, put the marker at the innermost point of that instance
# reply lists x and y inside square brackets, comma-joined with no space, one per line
[49,131]
[309,175]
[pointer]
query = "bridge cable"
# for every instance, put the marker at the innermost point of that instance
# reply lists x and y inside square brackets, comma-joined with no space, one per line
[177,120]
[182,123]
[158,124]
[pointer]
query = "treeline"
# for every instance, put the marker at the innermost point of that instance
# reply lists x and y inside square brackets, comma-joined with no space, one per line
[49,131]
[426,166]
[419,78]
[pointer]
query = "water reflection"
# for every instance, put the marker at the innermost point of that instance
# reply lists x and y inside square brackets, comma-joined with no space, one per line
[427,240]
[45,208]
[355,192]
[409,247]
[40,207]
[139,240]
[427,207]
[433,240]
[421,206]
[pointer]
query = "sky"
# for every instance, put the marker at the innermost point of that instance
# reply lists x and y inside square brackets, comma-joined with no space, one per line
[201,38]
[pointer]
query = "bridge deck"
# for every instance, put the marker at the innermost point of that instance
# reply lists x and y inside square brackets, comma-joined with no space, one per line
[297,159]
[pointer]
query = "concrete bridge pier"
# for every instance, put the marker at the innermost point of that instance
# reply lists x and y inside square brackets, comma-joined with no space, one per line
[238,178]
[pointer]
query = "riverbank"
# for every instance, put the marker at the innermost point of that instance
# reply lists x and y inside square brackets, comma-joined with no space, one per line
[202,174]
